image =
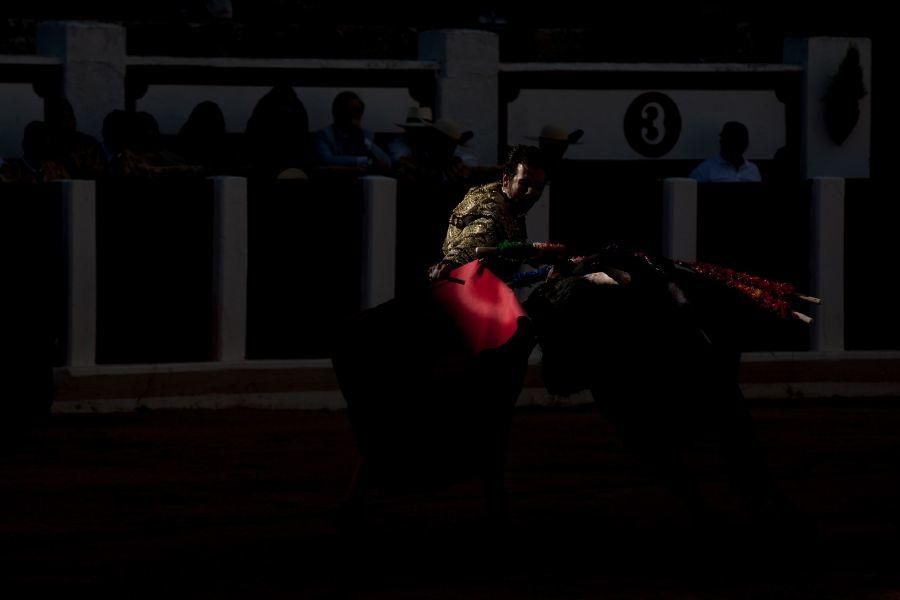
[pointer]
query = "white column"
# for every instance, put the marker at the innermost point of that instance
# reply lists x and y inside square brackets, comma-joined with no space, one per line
[821,58]
[467,87]
[230,268]
[94,58]
[80,218]
[538,218]
[680,219]
[379,240]
[827,258]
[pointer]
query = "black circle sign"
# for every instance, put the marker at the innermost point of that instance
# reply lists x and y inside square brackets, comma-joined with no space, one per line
[652,124]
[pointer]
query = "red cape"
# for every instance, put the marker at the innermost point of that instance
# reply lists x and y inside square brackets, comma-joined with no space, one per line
[484,308]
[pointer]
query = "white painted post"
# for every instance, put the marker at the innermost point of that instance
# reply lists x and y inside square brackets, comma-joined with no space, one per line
[680,219]
[230,268]
[380,240]
[821,57]
[538,218]
[827,258]
[80,218]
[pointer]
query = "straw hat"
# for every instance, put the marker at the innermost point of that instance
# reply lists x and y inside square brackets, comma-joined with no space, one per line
[417,116]
[553,133]
[453,131]
[292,173]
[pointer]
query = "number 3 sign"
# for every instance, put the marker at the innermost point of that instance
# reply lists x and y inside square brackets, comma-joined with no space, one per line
[652,124]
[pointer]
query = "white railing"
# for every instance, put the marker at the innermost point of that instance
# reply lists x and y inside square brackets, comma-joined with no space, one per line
[230,262]
[826,248]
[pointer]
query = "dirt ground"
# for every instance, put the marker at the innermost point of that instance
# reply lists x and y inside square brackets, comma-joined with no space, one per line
[241,503]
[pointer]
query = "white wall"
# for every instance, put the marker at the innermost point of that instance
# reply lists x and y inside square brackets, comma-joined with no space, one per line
[601,113]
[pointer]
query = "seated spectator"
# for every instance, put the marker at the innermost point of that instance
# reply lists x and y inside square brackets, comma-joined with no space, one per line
[434,158]
[417,119]
[729,164]
[133,148]
[80,153]
[277,133]
[36,164]
[202,140]
[345,143]
[554,142]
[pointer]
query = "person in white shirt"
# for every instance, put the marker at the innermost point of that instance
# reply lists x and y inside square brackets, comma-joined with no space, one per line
[729,164]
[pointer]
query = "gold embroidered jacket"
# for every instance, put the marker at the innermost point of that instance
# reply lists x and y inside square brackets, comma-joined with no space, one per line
[485,217]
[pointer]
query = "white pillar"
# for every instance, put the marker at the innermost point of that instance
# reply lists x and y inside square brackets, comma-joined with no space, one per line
[80,218]
[379,240]
[230,268]
[467,86]
[94,59]
[821,57]
[827,258]
[538,218]
[679,220]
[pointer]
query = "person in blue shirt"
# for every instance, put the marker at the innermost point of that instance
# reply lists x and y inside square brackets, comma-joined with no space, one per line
[729,164]
[345,143]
